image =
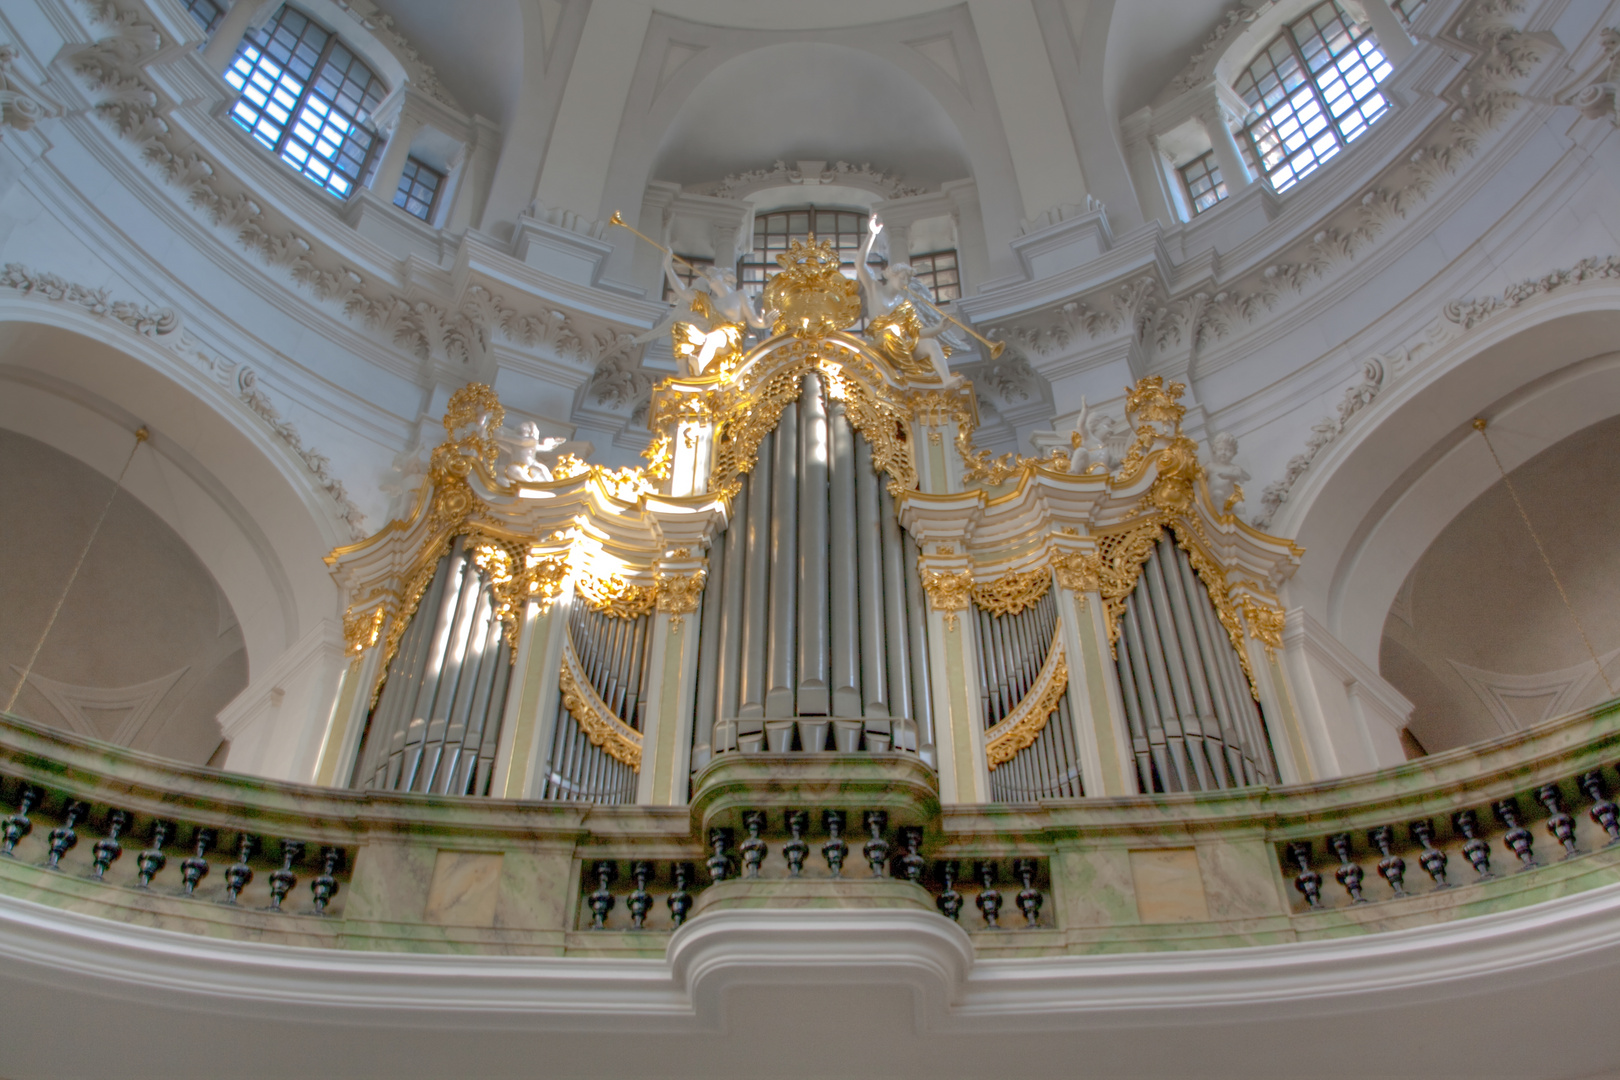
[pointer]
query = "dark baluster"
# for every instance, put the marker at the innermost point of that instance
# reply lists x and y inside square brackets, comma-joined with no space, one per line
[754,849]
[836,849]
[1349,873]
[1517,838]
[680,901]
[796,850]
[719,863]
[1431,858]
[238,875]
[17,825]
[195,868]
[151,861]
[1307,881]
[108,848]
[1605,813]
[283,880]
[876,849]
[63,838]
[1392,868]
[950,901]
[988,900]
[1029,897]
[325,885]
[910,863]
[1559,823]
[1477,851]
[640,900]
[601,901]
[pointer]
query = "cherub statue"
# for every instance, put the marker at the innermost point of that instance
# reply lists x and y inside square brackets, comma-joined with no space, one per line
[526,466]
[708,317]
[900,315]
[1225,476]
[1099,441]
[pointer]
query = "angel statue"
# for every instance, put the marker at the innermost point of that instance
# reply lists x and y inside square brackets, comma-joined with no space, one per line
[1225,475]
[1099,441]
[526,466]
[708,318]
[901,316]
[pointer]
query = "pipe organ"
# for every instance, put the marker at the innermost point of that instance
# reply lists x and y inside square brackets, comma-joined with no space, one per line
[815,561]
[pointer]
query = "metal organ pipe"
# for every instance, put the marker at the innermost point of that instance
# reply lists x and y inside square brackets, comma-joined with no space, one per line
[869,547]
[709,663]
[751,695]
[894,620]
[784,554]
[729,614]
[843,577]
[814,698]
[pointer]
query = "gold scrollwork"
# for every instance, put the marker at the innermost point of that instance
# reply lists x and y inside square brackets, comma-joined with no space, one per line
[678,594]
[1265,622]
[980,467]
[1189,537]
[1120,558]
[811,297]
[621,741]
[612,595]
[360,631]
[1077,571]
[948,592]
[540,580]
[1019,728]
[1013,591]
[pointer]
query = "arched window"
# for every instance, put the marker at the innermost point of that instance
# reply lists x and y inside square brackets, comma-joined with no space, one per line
[308,98]
[1314,90]
[846,229]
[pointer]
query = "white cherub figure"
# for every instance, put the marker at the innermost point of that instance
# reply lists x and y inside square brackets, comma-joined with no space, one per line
[1225,476]
[710,315]
[891,298]
[526,466]
[1099,441]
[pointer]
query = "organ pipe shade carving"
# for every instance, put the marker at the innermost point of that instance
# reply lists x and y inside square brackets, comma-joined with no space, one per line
[595,750]
[437,721]
[1194,725]
[1030,744]
[806,640]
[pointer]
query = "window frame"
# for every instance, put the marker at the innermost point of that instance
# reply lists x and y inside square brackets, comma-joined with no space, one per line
[1212,171]
[213,24]
[767,265]
[438,190]
[927,277]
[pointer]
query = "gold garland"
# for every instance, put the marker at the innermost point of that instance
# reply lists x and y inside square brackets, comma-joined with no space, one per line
[1013,591]
[614,596]
[621,741]
[1019,728]
[1265,622]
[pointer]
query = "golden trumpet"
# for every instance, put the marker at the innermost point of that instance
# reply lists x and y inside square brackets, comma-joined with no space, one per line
[618,219]
[996,347]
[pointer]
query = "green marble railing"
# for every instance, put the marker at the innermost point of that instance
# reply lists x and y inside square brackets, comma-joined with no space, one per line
[404,872]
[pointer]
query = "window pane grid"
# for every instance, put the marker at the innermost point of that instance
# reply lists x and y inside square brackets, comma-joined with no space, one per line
[307,98]
[845,230]
[939,273]
[687,273]
[1316,90]
[1202,177]
[419,186]
[206,12]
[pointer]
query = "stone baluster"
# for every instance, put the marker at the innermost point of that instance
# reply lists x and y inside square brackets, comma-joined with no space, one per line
[194,867]
[754,849]
[1560,823]
[325,885]
[1604,812]
[601,901]
[1307,881]
[1517,838]
[1431,858]
[108,848]
[149,863]
[64,838]
[240,873]
[988,900]
[1349,873]
[283,879]
[17,825]
[796,850]
[910,862]
[950,901]
[719,863]
[639,902]
[1477,851]
[876,849]
[836,849]
[680,901]
[1392,868]
[1029,897]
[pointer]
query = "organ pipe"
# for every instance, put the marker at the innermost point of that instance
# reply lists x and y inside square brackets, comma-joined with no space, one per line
[813,697]
[784,553]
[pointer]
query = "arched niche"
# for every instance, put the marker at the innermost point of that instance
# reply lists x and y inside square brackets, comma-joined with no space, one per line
[226,486]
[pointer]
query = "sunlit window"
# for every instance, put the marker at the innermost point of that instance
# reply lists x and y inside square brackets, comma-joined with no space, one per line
[844,229]
[308,99]
[1202,178]
[939,273]
[1315,90]
[419,187]
[208,13]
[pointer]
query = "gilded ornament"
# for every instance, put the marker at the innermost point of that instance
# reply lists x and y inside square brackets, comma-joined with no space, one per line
[612,595]
[1077,571]
[1013,591]
[360,631]
[948,592]
[621,741]
[811,297]
[1265,622]
[1020,728]
[679,594]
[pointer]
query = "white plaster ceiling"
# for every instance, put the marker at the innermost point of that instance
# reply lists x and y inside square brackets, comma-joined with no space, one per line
[475,48]
[810,101]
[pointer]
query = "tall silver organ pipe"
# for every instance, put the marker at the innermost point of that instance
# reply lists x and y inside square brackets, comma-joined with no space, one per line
[437,721]
[1194,724]
[809,612]
[1012,651]
[613,654]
